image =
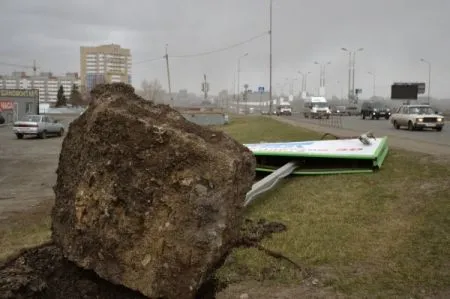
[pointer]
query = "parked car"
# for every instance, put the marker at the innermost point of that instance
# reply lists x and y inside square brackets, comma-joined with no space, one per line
[38,125]
[374,110]
[417,117]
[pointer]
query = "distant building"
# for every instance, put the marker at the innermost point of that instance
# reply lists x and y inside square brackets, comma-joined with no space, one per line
[46,83]
[104,64]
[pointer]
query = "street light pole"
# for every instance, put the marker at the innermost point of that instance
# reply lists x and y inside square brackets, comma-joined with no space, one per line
[306,81]
[304,78]
[373,76]
[238,81]
[270,60]
[351,72]
[322,73]
[429,79]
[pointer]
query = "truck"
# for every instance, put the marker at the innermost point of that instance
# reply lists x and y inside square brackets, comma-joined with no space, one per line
[284,110]
[316,107]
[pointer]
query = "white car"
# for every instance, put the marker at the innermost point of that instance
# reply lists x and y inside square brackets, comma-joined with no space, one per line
[417,117]
[37,125]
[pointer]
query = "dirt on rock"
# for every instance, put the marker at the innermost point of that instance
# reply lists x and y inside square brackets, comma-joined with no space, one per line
[43,273]
[145,198]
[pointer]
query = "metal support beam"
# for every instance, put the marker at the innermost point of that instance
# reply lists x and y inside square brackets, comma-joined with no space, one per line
[269,182]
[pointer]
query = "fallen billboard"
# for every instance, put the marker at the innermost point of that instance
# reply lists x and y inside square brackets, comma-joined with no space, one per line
[322,156]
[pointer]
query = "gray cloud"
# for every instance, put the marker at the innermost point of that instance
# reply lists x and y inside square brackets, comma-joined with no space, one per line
[395,35]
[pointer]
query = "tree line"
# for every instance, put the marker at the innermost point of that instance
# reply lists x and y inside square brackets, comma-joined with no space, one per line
[76,99]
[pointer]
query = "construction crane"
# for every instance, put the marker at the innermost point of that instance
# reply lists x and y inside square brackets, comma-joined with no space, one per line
[33,67]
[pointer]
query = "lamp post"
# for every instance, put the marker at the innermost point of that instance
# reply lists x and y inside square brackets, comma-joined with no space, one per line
[270,58]
[351,72]
[322,73]
[304,79]
[429,78]
[238,79]
[373,82]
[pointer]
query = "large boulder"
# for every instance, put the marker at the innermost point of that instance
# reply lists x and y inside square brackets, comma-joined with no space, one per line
[145,198]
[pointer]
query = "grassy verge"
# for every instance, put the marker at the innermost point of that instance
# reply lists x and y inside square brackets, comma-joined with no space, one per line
[380,234]
[384,234]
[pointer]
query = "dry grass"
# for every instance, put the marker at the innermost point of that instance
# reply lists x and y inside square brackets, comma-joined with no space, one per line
[380,234]
[24,230]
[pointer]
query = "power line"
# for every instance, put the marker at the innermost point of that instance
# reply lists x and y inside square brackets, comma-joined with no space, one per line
[150,60]
[207,52]
[222,49]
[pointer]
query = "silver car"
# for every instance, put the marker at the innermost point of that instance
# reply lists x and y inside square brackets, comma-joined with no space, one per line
[38,125]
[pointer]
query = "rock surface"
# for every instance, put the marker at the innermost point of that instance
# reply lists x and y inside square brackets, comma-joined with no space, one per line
[43,272]
[145,198]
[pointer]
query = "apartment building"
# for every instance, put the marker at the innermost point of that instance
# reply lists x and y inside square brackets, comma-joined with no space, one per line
[104,64]
[45,82]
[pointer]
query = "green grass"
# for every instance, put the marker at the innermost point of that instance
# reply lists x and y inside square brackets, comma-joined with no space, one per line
[384,234]
[381,234]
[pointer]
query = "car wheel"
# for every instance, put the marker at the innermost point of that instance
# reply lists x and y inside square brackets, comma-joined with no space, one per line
[19,136]
[61,133]
[396,125]
[439,129]
[43,135]
[410,126]
[386,117]
[363,116]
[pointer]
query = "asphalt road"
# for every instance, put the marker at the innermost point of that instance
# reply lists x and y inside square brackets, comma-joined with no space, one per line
[380,127]
[27,169]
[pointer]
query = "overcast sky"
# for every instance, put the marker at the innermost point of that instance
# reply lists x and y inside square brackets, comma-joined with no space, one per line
[395,34]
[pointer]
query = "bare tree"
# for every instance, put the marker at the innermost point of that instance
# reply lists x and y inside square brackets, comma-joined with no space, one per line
[152,91]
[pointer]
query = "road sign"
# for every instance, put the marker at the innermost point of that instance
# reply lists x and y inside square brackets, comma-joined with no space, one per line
[261,89]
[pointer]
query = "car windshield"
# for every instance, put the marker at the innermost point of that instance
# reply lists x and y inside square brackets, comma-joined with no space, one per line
[31,118]
[421,110]
[320,105]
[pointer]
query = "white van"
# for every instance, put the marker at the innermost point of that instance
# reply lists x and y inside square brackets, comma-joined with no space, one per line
[316,107]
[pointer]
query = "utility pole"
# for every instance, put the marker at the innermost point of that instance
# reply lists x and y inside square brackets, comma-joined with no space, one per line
[168,76]
[205,87]
[34,68]
[373,82]
[238,81]
[429,79]
[245,98]
[270,61]
[234,92]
